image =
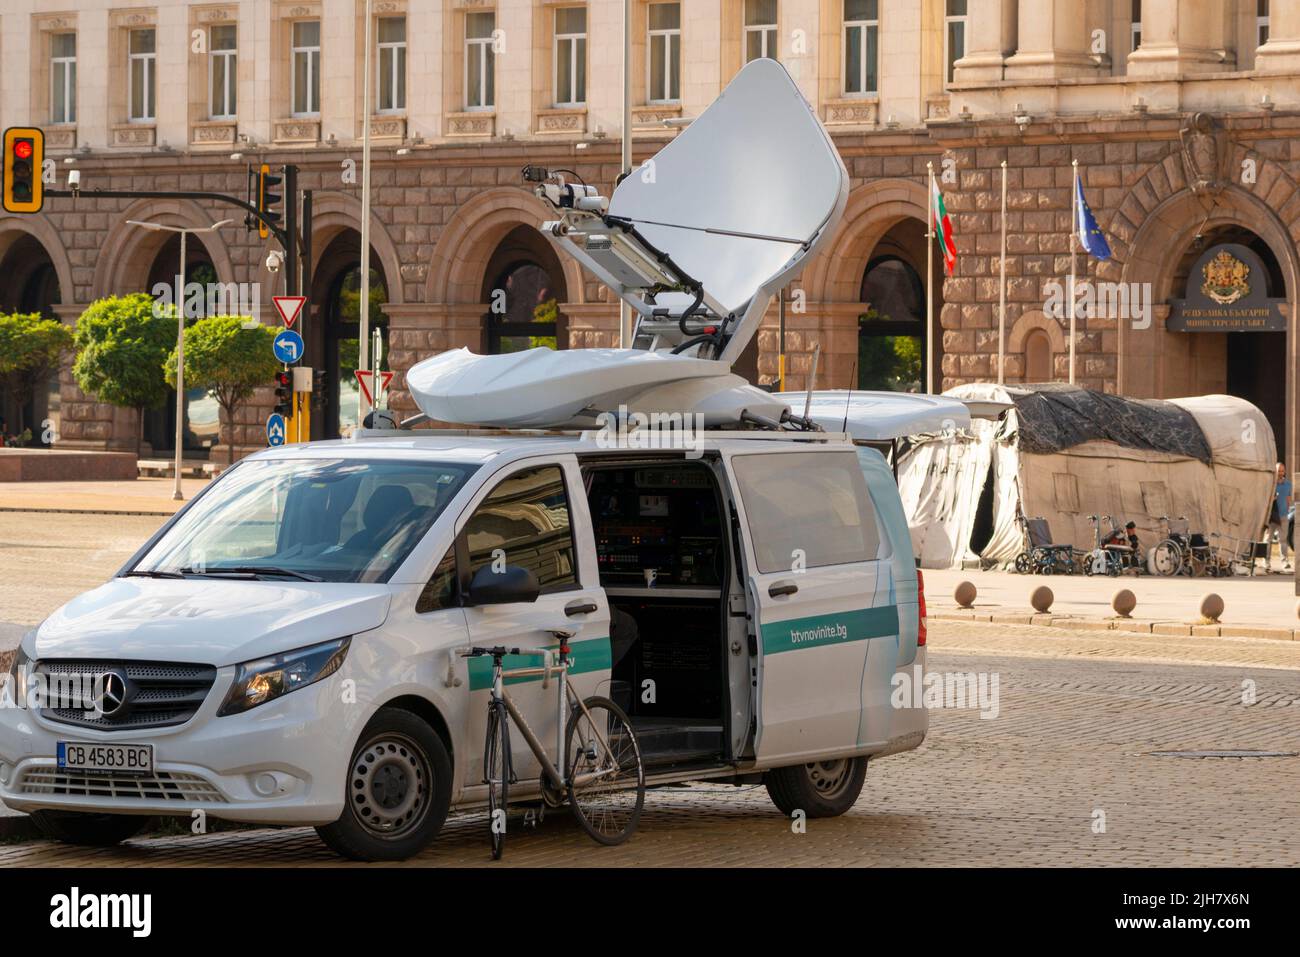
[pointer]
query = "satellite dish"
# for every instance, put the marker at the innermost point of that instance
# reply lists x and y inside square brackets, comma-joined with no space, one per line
[743,195]
[737,202]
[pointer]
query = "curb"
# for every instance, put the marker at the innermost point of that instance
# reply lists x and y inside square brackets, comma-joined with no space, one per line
[1173,628]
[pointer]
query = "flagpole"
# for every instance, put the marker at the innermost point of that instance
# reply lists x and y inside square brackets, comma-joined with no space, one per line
[929,283]
[1002,283]
[1074,237]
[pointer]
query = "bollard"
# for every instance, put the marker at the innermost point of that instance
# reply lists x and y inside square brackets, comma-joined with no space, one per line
[964,595]
[1211,608]
[1124,602]
[1041,599]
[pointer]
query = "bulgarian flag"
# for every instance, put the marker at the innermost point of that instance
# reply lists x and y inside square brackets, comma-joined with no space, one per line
[942,226]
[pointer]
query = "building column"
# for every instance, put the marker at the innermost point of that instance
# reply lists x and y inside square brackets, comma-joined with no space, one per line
[1281,54]
[1052,41]
[992,38]
[1180,36]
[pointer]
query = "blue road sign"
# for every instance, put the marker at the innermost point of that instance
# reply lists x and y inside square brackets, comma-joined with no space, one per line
[275,429]
[287,346]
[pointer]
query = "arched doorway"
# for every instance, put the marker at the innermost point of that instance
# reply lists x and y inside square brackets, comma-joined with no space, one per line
[523,287]
[1253,364]
[891,330]
[31,286]
[333,343]
[202,414]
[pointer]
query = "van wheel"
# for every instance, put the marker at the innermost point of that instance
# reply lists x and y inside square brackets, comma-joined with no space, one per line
[90,830]
[398,790]
[820,789]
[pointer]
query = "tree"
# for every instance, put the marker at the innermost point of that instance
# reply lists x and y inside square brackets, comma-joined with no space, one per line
[228,360]
[31,350]
[121,343]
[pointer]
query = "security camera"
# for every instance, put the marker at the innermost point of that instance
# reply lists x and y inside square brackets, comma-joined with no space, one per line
[74,179]
[274,261]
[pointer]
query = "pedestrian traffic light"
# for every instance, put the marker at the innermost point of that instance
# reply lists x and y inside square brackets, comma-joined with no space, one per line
[284,392]
[269,198]
[24,155]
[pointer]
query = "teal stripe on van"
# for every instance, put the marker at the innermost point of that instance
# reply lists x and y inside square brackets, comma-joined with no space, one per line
[834,629]
[592,654]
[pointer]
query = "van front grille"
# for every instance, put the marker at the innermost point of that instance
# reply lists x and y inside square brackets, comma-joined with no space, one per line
[156,693]
[160,786]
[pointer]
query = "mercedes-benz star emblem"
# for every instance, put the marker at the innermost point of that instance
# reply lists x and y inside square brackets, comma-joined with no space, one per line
[112,693]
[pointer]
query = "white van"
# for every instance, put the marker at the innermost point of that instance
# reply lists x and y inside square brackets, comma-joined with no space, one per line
[303,614]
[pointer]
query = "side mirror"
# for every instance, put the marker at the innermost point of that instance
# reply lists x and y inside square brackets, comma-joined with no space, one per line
[511,584]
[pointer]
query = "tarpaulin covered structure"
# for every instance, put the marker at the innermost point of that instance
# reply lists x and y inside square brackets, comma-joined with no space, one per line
[1064,453]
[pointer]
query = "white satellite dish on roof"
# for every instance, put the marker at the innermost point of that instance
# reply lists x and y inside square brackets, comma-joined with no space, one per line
[697,241]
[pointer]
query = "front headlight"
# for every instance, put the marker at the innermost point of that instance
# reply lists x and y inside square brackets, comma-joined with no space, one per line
[257,682]
[19,674]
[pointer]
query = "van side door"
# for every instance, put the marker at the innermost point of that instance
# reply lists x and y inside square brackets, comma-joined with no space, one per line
[533,514]
[812,551]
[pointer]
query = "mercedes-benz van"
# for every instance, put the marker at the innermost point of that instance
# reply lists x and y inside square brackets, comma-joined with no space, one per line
[284,650]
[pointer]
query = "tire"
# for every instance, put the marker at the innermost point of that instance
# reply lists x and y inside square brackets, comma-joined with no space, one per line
[1024,565]
[496,775]
[609,809]
[820,789]
[398,790]
[89,830]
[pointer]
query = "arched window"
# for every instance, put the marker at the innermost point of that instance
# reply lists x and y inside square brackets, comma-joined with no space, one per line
[1038,357]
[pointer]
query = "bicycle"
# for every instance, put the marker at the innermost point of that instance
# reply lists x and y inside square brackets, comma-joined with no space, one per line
[601,771]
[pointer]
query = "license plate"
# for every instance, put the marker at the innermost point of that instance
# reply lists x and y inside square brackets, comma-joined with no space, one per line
[122,758]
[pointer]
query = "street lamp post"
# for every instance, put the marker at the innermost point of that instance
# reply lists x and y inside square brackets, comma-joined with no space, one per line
[185,231]
[625,159]
[363,360]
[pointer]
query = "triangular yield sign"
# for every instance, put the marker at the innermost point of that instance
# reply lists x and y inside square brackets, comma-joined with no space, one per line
[363,380]
[289,308]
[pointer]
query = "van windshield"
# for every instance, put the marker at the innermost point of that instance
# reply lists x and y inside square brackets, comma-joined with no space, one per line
[341,520]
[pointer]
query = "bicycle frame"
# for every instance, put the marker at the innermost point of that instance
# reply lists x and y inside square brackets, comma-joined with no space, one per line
[555,773]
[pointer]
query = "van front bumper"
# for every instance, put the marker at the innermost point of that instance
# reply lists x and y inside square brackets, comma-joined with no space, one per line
[281,763]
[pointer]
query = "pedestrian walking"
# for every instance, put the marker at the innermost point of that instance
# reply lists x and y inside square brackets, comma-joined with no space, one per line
[1277,518]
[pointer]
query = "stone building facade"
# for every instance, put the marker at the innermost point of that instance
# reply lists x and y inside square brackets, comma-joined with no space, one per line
[1183,117]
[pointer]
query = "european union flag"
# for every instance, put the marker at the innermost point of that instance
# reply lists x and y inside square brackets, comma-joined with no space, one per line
[1091,238]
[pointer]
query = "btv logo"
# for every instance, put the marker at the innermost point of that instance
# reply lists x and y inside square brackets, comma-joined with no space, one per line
[76,910]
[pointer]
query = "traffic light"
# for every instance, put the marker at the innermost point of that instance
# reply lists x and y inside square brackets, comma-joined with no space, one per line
[24,155]
[284,393]
[269,197]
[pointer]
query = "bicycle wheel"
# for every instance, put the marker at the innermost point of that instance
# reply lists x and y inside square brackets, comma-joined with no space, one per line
[601,750]
[496,774]
[1167,559]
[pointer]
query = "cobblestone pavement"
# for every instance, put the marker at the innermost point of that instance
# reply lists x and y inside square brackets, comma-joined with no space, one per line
[1074,739]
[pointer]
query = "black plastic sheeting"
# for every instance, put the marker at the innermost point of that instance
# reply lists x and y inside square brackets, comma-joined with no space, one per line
[1056,416]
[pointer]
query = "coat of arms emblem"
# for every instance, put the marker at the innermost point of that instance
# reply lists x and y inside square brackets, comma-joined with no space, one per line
[1226,278]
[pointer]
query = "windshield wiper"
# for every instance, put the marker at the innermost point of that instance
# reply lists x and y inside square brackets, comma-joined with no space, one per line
[254,570]
[153,573]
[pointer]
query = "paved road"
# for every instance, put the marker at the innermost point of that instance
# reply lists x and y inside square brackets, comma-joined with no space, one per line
[1075,738]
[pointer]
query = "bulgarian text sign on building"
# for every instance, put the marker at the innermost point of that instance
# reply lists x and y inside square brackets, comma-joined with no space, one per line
[1227,291]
